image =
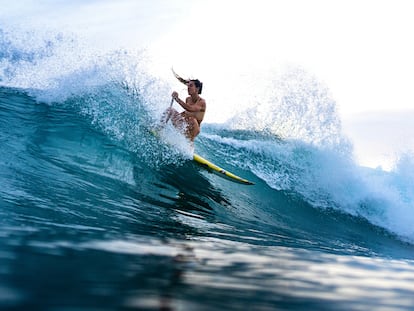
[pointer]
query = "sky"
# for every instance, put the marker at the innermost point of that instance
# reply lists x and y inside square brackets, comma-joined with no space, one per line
[360,49]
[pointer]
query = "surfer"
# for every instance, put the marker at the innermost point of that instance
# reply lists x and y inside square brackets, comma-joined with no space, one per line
[190,119]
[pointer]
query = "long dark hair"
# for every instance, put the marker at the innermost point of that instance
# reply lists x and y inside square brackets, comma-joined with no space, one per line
[198,84]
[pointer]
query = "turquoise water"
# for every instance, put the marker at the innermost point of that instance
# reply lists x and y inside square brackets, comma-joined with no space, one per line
[88,223]
[97,214]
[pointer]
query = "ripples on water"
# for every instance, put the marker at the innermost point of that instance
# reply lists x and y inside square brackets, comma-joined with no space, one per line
[205,274]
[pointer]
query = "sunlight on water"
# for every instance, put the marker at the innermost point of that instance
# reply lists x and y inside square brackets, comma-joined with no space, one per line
[278,272]
[300,273]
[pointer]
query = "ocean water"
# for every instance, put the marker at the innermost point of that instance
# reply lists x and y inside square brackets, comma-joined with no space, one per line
[98,214]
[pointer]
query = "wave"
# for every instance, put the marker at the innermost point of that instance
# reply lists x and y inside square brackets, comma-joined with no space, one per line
[291,140]
[325,178]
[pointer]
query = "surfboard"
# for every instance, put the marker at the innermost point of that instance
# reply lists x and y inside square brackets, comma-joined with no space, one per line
[219,171]
[211,167]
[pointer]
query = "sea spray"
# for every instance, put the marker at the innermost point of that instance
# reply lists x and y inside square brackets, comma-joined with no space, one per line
[293,104]
[310,158]
[114,89]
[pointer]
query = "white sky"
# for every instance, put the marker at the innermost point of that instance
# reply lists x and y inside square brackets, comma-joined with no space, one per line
[361,49]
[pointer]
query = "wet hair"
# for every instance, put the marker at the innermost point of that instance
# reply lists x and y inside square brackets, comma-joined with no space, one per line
[198,84]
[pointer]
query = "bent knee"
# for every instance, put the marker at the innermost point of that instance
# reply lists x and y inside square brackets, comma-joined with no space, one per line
[194,127]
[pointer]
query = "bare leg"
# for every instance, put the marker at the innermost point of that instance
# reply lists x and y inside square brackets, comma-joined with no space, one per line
[192,129]
[187,125]
[168,113]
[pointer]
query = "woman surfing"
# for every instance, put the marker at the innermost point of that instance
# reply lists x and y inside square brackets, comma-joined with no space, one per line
[190,119]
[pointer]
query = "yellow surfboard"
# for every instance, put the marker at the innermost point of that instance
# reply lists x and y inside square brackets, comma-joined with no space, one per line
[211,167]
[219,171]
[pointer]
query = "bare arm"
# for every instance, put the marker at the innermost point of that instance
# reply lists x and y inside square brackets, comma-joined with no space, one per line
[179,101]
[197,107]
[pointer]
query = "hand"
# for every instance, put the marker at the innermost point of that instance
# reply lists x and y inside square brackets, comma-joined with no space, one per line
[175,95]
